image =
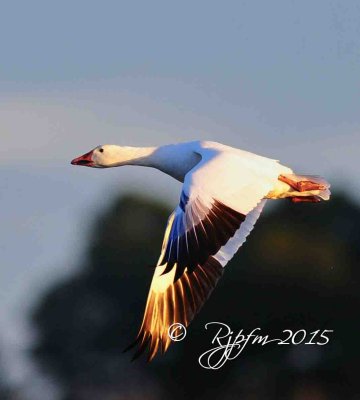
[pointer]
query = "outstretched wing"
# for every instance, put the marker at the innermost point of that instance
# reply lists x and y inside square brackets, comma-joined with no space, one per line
[210,223]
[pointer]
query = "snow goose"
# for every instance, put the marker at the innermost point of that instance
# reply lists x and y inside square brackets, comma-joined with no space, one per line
[224,191]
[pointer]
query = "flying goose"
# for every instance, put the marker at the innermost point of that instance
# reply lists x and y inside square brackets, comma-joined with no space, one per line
[224,191]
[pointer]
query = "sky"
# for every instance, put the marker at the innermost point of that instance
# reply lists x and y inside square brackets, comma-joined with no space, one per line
[277,78]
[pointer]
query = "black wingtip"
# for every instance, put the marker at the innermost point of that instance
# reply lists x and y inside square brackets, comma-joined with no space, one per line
[142,341]
[132,345]
[144,344]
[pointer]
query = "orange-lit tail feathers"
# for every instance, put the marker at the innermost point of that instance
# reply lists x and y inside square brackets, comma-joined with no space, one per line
[306,188]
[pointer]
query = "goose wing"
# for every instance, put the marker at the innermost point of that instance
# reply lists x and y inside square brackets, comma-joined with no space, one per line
[221,199]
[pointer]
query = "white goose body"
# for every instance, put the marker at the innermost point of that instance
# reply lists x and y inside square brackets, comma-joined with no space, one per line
[224,191]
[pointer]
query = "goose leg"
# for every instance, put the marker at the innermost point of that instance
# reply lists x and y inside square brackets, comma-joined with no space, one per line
[305,199]
[289,181]
[305,186]
[301,186]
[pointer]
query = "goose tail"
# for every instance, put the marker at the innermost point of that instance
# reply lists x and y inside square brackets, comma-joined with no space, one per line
[301,188]
[308,188]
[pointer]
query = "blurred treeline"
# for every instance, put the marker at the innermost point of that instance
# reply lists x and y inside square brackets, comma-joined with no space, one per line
[299,269]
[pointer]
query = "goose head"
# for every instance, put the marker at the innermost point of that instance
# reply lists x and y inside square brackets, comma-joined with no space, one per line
[110,155]
[103,156]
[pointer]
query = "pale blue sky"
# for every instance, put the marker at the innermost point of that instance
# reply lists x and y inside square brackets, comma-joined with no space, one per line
[280,78]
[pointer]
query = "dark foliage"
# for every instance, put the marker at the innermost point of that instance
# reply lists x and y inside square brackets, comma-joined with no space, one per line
[298,270]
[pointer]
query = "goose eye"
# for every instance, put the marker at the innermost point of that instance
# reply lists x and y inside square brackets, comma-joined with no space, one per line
[101,150]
